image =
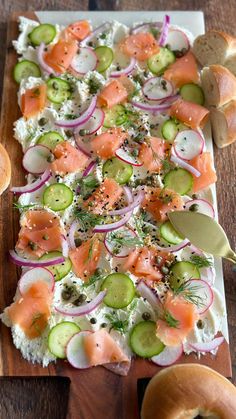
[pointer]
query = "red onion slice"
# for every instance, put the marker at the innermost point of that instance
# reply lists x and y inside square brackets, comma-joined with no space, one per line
[105,26]
[128,194]
[188,144]
[168,356]
[94,123]
[36,159]
[185,165]
[33,186]
[75,352]
[174,248]
[125,71]
[89,168]
[81,119]
[83,309]
[151,108]
[72,231]
[164,31]
[150,296]
[34,275]
[84,61]
[207,346]
[177,40]
[105,228]
[124,251]
[137,201]
[202,290]
[42,63]
[20,261]
[157,88]
[204,206]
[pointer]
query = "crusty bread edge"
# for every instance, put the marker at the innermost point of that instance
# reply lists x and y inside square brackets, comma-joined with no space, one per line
[5,169]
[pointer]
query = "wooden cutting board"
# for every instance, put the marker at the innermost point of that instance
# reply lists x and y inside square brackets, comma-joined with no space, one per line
[96,392]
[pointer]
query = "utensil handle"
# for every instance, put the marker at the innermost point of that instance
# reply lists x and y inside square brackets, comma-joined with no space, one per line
[231,256]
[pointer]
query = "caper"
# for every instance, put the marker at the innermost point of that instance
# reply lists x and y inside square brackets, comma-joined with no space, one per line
[146,316]
[93,320]
[66,294]
[164,270]
[42,121]
[78,242]
[83,132]
[200,324]
[69,133]
[194,207]
[159,260]
[55,86]
[194,196]
[82,298]
[33,245]
[103,325]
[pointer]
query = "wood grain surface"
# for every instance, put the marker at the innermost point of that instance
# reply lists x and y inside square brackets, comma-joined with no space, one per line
[92,391]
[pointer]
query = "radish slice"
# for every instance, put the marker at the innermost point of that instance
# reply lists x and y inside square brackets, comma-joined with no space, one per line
[34,275]
[125,71]
[83,309]
[202,206]
[75,351]
[84,61]
[111,246]
[157,88]
[149,294]
[94,123]
[202,292]
[207,346]
[37,159]
[168,356]
[185,165]
[177,40]
[125,155]
[188,144]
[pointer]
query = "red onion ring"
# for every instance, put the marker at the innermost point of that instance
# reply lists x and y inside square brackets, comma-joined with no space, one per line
[18,260]
[130,207]
[96,31]
[81,119]
[128,194]
[83,309]
[174,248]
[90,168]
[33,186]
[104,228]
[164,31]
[45,67]
[147,293]
[185,165]
[72,231]
[151,108]
[125,71]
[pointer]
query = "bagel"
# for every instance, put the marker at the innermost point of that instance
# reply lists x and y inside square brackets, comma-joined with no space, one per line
[185,391]
[5,169]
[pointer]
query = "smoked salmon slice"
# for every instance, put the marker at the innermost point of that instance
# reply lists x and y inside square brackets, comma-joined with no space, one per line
[40,233]
[85,258]
[113,94]
[204,164]
[32,310]
[106,144]
[104,197]
[140,46]
[183,70]
[102,349]
[189,113]
[152,153]
[33,101]
[68,159]
[159,202]
[179,318]
[59,57]
[79,30]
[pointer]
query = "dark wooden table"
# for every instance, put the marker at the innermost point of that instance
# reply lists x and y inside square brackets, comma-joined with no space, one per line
[17,395]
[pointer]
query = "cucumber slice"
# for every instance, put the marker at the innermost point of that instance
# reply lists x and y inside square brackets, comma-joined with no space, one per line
[170,129]
[58,90]
[44,33]
[115,116]
[157,63]
[105,57]
[59,336]
[117,169]
[192,93]
[50,139]
[169,234]
[25,69]
[182,272]
[58,196]
[60,270]
[143,340]
[179,180]
[120,290]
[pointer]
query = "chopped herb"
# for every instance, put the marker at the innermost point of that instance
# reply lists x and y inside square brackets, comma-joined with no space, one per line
[201,261]
[166,164]
[122,239]
[87,185]
[97,276]
[103,35]
[94,86]
[116,323]
[172,322]
[189,293]
[70,116]
[87,219]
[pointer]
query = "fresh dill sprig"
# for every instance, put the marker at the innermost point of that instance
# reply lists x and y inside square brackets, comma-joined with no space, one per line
[87,185]
[166,164]
[88,219]
[97,276]
[140,225]
[119,240]
[201,261]
[170,320]
[190,293]
[19,206]
[116,323]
